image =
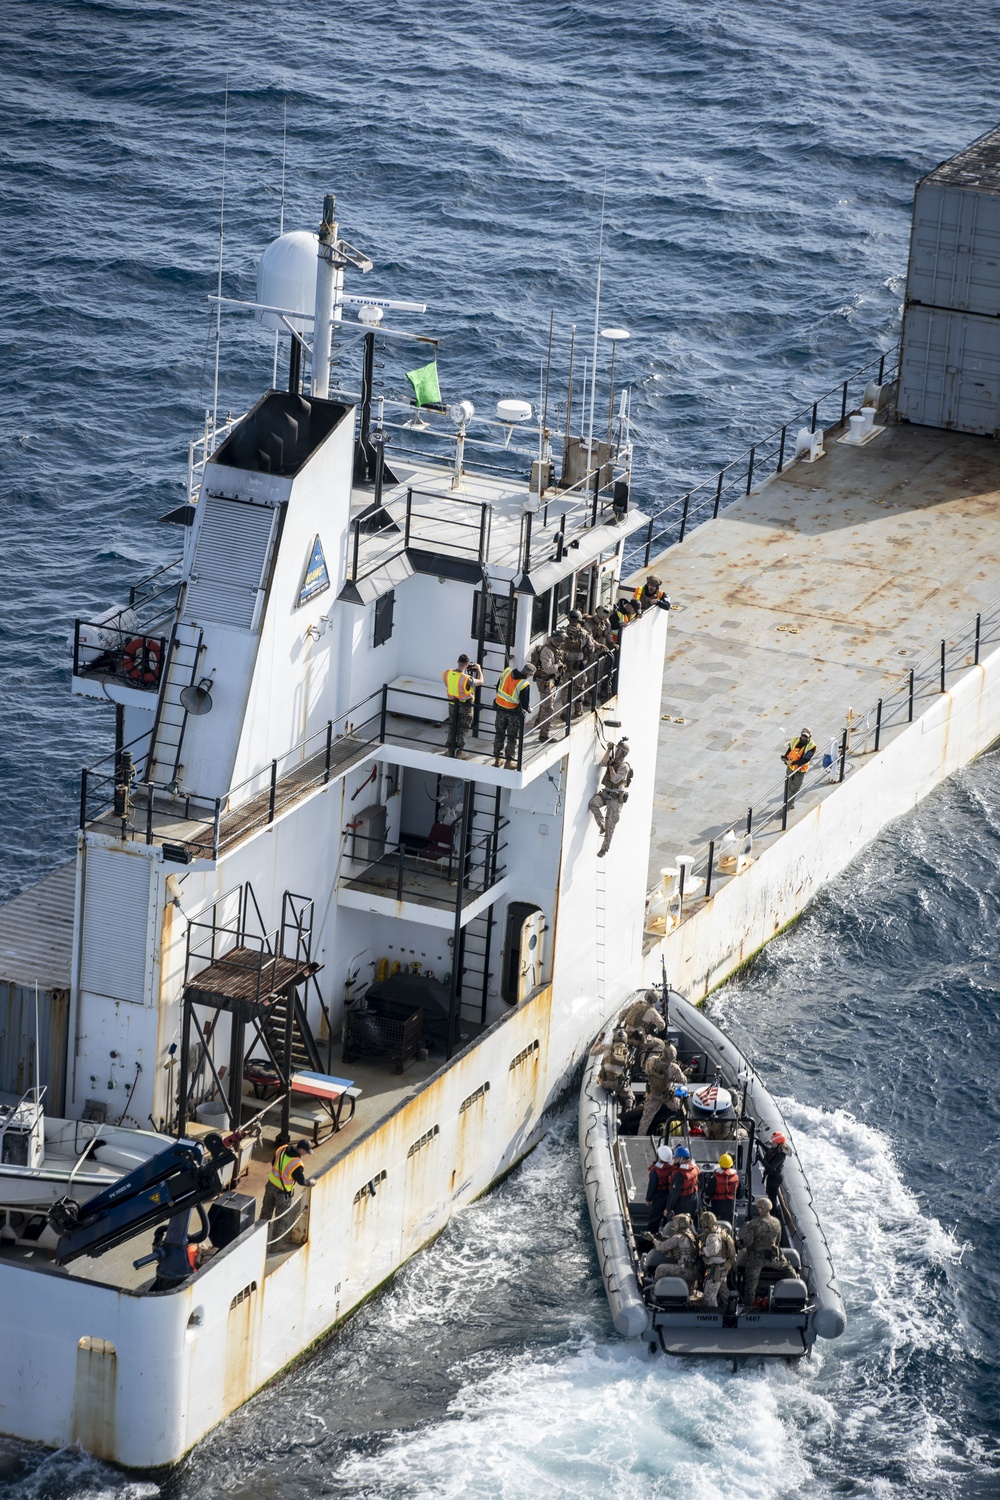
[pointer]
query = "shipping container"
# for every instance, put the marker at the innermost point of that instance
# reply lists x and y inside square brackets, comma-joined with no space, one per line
[949,372]
[955,242]
[36,945]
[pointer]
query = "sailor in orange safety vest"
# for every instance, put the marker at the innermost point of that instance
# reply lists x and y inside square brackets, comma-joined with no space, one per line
[797,757]
[725,1181]
[512,703]
[460,684]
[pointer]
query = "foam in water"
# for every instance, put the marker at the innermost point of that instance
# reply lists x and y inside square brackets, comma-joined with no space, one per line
[600,1418]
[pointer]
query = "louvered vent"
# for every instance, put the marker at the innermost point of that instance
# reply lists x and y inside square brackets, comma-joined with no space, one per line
[229,562]
[116,925]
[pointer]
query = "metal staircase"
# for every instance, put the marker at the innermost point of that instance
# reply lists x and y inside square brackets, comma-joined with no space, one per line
[164,764]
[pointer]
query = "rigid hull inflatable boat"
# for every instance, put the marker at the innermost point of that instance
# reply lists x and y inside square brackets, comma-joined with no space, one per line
[796,1300]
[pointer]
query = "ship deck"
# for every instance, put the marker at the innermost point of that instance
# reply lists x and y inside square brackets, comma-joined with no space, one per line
[805,599]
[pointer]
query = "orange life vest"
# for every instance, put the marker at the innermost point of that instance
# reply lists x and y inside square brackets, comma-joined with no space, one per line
[725,1184]
[663,1171]
[686,1177]
[796,754]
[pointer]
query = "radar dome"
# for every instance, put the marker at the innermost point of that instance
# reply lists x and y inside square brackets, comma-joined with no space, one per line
[286,278]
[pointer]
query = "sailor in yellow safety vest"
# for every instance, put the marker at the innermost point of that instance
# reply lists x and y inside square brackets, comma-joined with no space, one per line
[460,684]
[286,1172]
[797,757]
[512,703]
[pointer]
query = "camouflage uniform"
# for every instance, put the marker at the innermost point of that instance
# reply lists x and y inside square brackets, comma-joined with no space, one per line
[607,802]
[680,1247]
[548,662]
[718,1254]
[577,650]
[761,1240]
[614,1073]
[643,1014]
[662,1073]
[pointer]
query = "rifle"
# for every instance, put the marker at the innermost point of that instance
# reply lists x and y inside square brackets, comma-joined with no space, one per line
[665,998]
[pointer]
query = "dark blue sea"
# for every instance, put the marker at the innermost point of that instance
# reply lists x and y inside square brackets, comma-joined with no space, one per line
[759,162]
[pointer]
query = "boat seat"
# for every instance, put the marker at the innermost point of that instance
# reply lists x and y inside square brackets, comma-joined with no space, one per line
[789,1295]
[793,1258]
[670,1292]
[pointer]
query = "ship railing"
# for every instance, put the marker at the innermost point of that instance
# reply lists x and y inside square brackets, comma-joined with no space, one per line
[116,800]
[458,529]
[129,645]
[425,870]
[768,456]
[703,870]
[414,716]
[201,448]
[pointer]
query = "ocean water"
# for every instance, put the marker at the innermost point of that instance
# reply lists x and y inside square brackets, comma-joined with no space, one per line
[757,162]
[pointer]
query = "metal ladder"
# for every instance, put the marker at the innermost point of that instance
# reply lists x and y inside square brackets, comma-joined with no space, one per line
[599,932]
[167,738]
[474,972]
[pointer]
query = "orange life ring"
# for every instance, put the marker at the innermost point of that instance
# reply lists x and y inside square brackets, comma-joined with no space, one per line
[142,660]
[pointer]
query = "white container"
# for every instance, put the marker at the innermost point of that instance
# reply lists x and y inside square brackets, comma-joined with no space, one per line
[213,1112]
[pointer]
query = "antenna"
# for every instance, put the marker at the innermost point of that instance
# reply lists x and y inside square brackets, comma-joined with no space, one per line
[222,225]
[38,1077]
[281,221]
[548,372]
[597,319]
[569,388]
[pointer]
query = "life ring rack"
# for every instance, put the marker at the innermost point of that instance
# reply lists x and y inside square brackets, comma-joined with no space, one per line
[142,660]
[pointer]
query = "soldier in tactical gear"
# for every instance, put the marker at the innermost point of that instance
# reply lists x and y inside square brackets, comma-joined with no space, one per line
[607,802]
[577,650]
[662,1077]
[718,1256]
[679,1247]
[547,659]
[643,1013]
[614,1074]
[761,1241]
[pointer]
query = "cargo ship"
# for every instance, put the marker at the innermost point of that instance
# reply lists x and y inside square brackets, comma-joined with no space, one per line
[293,913]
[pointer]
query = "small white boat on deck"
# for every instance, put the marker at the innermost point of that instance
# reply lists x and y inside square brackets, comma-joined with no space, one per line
[44,1159]
[796,1302]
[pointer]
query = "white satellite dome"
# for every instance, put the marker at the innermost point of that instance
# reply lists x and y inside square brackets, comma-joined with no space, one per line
[286,277]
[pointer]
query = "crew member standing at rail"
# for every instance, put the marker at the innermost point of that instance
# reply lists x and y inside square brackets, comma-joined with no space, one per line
[578,648]
[548,664]
[461,683]
[512,703]
[797,757]
[286,1172]
[650,595]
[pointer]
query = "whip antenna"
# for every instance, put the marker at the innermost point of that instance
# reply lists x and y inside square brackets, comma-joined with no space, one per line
[222,224]
[281,221]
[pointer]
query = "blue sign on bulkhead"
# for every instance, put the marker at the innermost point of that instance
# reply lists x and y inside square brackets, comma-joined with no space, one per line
[316,578]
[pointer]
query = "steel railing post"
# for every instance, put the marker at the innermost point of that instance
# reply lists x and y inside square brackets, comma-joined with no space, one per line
[569,704]
[708,872]
[749,822]
[684,517]
[149,813]
[784,804]
[482,534]
[680,883]
[526,557]
[943,662]
[357,549]
[881,369]
[399,874]
[382,717]
[329,749]
[649,543]
[815,408]
[215,827]
[274,786]
[83,798]
[878,724]
[910,716]
[409,507]
[843,755]
[718,495]
[750,469]
[979,626]
[781,450]
[843,405]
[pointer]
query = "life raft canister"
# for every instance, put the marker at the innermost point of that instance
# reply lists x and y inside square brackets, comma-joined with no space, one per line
[141,660]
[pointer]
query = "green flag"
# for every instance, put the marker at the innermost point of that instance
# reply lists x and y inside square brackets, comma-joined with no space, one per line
[425,384]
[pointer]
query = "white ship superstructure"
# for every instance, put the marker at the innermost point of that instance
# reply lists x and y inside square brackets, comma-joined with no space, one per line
[280,824]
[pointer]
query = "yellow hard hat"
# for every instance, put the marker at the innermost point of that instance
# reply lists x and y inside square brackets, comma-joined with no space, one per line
[725,1160]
